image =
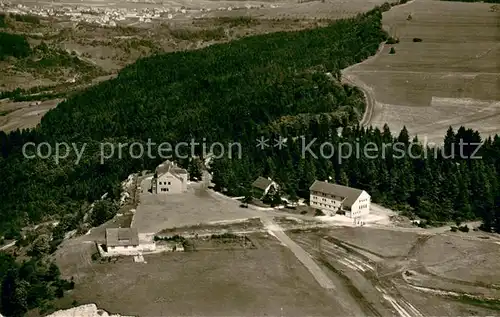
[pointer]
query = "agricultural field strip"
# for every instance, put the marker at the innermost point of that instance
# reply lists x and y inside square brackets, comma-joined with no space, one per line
[423,72]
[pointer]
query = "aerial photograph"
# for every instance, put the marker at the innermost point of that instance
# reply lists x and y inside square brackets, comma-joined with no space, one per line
[234,158]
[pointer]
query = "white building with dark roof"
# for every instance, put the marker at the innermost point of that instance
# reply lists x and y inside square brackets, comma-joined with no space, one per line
[169,179]
[262,186]
[122,241]
[330,198]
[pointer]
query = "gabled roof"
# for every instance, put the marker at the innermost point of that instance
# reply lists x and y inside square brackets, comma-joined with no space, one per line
[178,170]
[262,183]
[122,237]
[349,194]
[169,167]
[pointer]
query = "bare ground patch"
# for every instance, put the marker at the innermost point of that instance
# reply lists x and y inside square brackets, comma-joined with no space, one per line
[463,260]
[247,225]
[158,212]
[390,285]
[385,243]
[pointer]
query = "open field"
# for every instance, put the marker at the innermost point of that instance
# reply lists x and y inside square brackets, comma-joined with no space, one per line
[451,78]
[397,282]
[264,281]
[374,271]
[216,227]
[464,260]
[22,115]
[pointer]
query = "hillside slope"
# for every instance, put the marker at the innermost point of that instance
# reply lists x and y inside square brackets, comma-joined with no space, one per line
[224,92]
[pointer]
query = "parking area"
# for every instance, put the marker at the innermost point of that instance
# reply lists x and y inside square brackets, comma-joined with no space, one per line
[156,212]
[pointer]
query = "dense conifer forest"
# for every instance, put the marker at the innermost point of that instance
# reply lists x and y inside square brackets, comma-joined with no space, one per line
[32,284]
[13,45]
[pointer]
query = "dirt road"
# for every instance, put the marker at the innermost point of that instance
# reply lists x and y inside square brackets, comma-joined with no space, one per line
[349,78]
[299,253]
[5,247]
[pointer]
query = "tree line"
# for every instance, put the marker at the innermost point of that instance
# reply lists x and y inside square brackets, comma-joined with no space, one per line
[30,284]
[285,83]
[437,184]
[13,45]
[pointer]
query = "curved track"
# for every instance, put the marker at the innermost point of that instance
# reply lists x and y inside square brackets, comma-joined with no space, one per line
[351,79]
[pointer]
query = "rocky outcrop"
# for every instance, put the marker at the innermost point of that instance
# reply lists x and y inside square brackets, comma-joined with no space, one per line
[89,310]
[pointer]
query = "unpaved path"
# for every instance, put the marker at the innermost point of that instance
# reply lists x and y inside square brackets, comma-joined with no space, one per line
[5,247]
[299,253]
[349,78]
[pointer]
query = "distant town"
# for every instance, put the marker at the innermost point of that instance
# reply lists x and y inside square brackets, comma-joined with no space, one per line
[106,16]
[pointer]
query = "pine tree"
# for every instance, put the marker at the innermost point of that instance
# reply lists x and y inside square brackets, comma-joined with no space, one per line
[449,144]
[496,214]
[387,135]
[344,180]
[14,295]
[309,174]
[404,136]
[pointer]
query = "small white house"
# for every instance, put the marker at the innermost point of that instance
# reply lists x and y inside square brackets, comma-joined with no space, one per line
[262,186]
[330,198]
[122,241]
[169,179]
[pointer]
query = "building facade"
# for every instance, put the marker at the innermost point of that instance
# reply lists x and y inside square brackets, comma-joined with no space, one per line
[122,241]
[263,186]
[333,198]
[169,179]
[126,242]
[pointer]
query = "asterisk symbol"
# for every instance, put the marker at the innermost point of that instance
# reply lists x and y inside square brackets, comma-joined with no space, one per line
[262,142]
[280,142]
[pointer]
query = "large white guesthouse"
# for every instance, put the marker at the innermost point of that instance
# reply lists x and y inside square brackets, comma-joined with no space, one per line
[169,179]
[330,198]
